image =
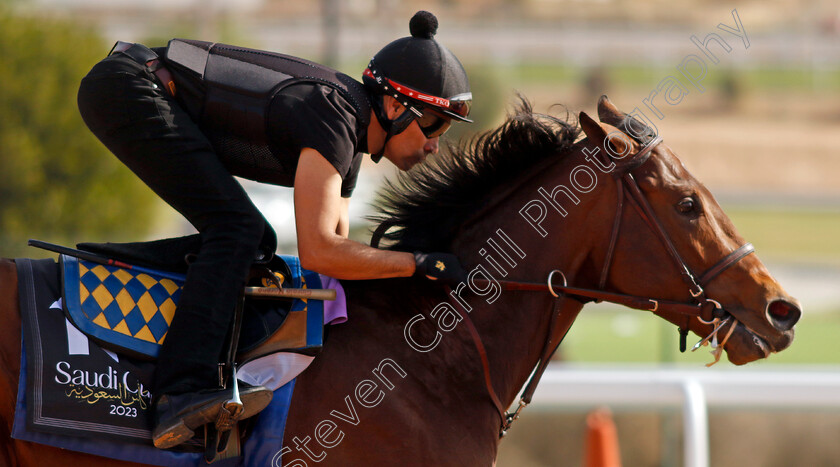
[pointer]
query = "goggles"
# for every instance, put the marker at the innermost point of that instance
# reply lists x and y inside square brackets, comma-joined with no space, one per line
[460,105]
[431,124]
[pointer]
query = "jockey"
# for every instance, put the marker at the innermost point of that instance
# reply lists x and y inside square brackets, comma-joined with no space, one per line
[189,117]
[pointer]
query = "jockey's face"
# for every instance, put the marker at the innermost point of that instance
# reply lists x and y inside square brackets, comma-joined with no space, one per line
[411,146]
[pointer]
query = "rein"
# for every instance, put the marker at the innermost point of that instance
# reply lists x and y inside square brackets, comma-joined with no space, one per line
[707,310]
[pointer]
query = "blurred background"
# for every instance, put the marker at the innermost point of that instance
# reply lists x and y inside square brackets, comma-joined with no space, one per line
[762,135]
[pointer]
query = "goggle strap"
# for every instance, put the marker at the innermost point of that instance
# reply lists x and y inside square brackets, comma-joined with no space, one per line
[378,156]
[396,90]
[391,127]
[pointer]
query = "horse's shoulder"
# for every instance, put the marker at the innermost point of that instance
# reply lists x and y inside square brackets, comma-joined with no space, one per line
[8,277]
[9,349]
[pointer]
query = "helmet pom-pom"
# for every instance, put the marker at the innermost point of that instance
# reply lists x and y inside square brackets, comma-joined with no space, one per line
[423,25]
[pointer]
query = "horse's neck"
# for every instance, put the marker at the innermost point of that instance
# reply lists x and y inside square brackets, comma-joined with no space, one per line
[515,326]
[438,353]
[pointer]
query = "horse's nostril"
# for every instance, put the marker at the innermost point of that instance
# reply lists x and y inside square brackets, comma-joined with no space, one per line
[782,314]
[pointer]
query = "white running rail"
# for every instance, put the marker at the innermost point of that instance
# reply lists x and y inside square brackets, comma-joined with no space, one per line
[578,387]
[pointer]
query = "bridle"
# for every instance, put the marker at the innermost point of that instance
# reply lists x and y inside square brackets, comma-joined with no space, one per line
[700,306]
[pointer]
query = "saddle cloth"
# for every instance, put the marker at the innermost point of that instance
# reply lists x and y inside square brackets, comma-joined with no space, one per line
[76,395]
[130,310]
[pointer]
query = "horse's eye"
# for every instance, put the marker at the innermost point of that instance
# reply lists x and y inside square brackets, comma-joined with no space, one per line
[686,205]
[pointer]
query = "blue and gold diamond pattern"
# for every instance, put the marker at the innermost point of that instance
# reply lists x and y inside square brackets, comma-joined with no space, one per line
[139,305]
[131,310]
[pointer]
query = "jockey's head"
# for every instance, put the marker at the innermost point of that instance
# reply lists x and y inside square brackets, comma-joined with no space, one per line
[423,77]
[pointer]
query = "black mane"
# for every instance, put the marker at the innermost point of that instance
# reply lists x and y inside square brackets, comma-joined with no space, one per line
[426,205]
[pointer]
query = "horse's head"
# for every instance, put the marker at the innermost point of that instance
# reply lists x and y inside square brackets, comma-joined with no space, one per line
[761,314]
[651,231]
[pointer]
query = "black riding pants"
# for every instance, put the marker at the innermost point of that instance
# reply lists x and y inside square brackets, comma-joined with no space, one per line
[127,109]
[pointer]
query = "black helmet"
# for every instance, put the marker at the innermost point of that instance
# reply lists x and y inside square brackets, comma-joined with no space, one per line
[420,73]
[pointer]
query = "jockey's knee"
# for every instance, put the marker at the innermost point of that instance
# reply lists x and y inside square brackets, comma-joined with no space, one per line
[244,230]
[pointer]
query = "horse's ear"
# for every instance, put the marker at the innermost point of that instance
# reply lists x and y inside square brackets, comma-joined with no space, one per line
[598,133]
[593,130]
[609,113]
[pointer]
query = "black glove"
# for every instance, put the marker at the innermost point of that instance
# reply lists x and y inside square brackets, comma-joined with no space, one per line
[444,267]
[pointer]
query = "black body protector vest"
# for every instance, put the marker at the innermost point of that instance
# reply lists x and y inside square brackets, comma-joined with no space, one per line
[228,90]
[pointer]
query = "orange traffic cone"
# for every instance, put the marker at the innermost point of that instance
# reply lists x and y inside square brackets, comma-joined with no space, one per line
[601,440]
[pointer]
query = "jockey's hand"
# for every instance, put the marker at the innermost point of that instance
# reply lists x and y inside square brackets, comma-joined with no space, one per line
[442,267]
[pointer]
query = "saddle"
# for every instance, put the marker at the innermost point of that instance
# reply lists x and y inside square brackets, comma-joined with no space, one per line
[124,296]
[129,310]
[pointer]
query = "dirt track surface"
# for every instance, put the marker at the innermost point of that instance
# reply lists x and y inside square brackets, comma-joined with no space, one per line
[769,143]
[735,153]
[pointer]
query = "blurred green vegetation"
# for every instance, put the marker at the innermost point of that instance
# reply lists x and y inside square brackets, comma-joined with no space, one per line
[798,235]
[57,182]
[608,333]
[488,103]
[649,75]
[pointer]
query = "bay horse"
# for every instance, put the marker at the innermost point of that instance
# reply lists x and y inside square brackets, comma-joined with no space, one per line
[544,221]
